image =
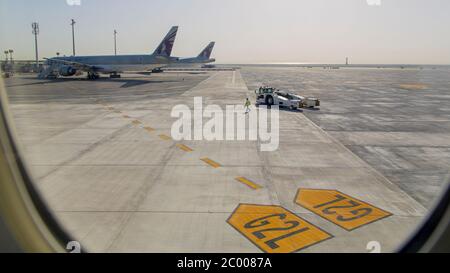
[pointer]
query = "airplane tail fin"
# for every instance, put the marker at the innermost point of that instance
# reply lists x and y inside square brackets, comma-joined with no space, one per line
[166,46]
[206,53]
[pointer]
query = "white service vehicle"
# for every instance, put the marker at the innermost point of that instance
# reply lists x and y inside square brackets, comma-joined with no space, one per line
[271,96]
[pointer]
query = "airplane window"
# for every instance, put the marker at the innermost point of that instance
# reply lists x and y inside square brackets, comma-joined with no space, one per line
[165,133]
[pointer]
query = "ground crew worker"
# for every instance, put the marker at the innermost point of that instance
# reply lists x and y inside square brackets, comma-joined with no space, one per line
[247,106]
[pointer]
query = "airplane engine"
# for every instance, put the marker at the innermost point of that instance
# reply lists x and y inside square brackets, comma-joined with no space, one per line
[157,70]
[67,71]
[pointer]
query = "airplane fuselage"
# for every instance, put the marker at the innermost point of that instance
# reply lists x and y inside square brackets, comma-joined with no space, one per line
[111,64]
[191,62]
[119,63]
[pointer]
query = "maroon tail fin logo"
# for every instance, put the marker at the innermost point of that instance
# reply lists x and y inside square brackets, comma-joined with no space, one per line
[206,53]
[166,46]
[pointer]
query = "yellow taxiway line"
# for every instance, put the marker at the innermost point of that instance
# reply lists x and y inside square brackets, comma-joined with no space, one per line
[211,162]
[165,137]
[184,148]
[249,183]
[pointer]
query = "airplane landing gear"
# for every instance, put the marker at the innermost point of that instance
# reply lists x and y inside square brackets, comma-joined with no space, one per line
[114,76]
[93,76]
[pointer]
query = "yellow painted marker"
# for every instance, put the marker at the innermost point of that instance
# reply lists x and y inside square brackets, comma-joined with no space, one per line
[149,129]
[184,148]
[339,208]
[274,229]
[165,137]
[137,122]
[210,162]
[249,183]
[413,86]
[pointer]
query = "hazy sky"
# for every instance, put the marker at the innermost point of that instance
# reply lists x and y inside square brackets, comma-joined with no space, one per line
[246,31]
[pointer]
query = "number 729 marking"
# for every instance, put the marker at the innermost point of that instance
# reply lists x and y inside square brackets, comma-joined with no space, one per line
[341,209]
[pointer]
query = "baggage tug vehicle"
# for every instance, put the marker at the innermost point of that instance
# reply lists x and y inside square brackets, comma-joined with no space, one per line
[270,96]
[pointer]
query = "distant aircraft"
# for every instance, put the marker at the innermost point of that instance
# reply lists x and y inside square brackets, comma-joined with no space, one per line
[202,58]
[113,65]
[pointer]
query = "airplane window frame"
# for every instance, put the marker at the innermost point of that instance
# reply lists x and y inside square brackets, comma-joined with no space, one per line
[22,209]
[433,235]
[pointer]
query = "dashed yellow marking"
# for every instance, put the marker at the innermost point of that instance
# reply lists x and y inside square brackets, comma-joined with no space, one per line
[165,137]
[149,129]
[126,116]
[413,86]
[210,162]
[136,122]
[339,208]
[184,148]
[249,183]
[274,229]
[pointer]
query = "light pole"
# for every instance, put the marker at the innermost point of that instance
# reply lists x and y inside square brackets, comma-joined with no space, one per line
[11,55]
[5,67]
[115,42]
[73,35]
[35,27]
[11,63]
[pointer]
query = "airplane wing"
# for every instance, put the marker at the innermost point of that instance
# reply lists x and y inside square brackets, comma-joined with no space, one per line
[76,65]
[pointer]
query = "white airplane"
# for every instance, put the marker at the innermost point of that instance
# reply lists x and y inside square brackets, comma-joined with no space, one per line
[114,64]
[202,58]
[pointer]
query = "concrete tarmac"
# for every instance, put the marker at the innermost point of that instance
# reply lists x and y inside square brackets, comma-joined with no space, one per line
[102,156]
[397,120]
